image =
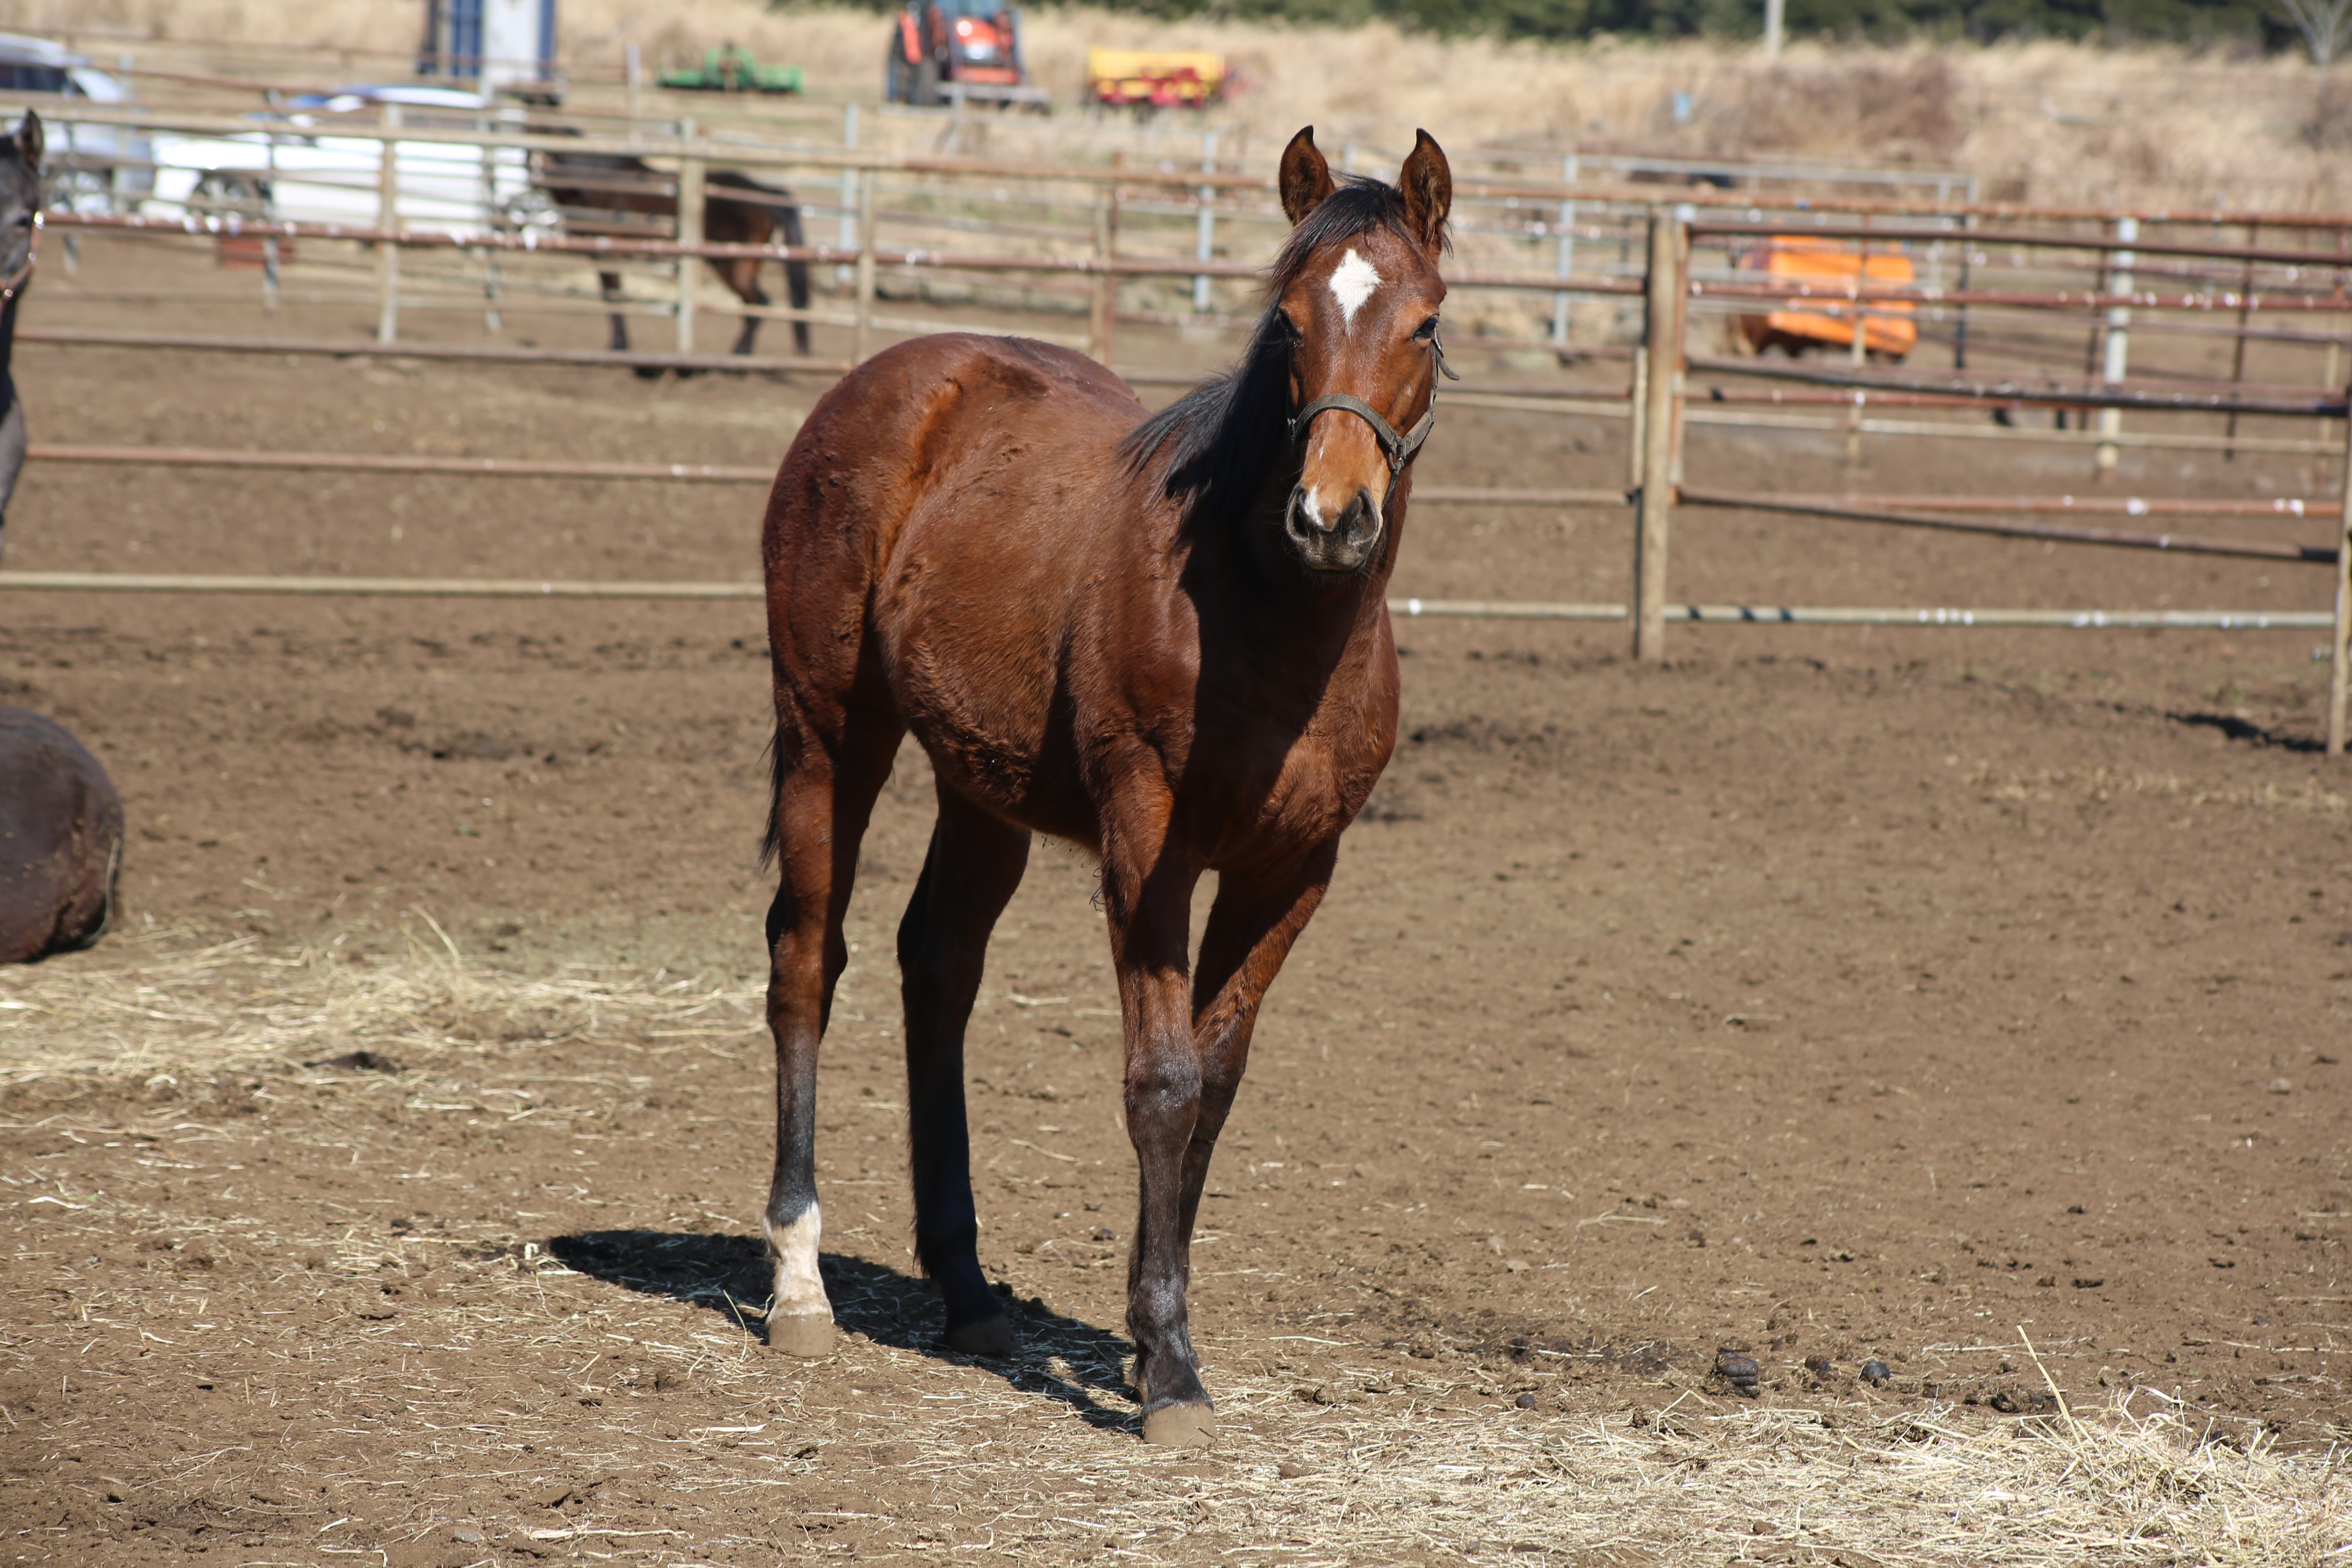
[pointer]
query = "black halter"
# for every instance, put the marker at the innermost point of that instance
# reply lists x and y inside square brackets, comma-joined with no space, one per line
[1398,449]
[14,284]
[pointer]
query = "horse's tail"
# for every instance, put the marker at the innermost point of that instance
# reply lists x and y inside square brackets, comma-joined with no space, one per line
[771,841]
[796,271]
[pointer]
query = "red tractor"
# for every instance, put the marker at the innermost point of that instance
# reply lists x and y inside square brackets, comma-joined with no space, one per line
[941,46]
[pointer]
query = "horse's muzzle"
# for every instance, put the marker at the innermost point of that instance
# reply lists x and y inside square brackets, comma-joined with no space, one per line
[1343,544]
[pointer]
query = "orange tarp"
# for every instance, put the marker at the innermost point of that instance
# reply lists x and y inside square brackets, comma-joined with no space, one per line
[1823,264]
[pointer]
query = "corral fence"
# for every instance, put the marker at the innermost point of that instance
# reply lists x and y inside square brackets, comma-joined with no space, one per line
[2039,310]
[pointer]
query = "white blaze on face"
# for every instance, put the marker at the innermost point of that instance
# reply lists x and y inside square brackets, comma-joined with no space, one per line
[1352,283]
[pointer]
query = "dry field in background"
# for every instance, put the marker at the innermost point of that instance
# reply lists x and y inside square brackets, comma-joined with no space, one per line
[2046,122]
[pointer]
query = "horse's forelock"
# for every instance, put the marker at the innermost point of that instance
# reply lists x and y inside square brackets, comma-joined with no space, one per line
[1360,205]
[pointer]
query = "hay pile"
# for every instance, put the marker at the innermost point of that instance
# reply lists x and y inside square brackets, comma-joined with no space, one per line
[166,1000]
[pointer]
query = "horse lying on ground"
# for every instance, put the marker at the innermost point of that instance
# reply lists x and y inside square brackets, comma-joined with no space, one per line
[20,238]
[1162,638]
[60,840]
[736,210]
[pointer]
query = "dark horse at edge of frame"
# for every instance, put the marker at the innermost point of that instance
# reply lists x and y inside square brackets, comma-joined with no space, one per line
[736,210]
[1162,637]
[20,242]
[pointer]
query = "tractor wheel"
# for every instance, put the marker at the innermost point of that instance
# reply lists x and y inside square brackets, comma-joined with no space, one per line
[898,76]
[926,83]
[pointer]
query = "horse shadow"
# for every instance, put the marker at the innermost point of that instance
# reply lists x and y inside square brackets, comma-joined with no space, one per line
[2238,729]
[1061,1357]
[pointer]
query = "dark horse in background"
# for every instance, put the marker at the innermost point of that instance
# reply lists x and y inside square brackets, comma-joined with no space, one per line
[606,193]
[1162,637]
[20,239]
[60,818]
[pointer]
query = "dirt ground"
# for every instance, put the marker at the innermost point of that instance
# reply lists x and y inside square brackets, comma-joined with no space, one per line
[1820,993]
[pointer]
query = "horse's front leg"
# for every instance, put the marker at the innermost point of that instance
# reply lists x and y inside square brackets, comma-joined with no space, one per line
[973,869]
[1257,917]
[1147,898]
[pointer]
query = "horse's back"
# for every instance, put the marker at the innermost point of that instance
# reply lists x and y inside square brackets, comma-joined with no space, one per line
[988,431]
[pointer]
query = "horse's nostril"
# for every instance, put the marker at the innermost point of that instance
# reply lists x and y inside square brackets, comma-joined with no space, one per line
[1304,517]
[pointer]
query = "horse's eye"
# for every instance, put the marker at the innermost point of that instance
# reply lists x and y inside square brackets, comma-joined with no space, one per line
[1425,331]
[1290,332]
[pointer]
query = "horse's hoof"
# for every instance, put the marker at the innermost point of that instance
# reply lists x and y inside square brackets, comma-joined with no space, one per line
[808,1335]
[1181,1426]
[989,1337]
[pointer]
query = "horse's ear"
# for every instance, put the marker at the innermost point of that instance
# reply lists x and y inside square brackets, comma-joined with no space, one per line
[1306,178]
[1427,183]
[28,140]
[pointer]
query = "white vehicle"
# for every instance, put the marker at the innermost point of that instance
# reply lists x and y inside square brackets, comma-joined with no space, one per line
[88,168]
[314,176]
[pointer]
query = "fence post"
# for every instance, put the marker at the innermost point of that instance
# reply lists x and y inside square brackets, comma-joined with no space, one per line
[1662,352]
[2339,673]
[1204,238]
[2335,366]
[1961,314]
[387,220]
[861,336]
[1685,215]
[1637,409]
[1565,261]
[689,232]
[1858,355]
[2245,325]
[1104,297]
[2117,351]
[841,275]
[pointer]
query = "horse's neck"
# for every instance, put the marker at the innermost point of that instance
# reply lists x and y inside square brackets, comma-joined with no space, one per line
[8,341]
[1297,621]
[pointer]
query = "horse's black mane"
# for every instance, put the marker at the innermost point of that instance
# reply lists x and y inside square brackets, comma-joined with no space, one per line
[1222,435]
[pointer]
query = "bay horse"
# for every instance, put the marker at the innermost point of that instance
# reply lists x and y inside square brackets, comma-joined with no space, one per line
[736,210]
[1162,637]
[20,243]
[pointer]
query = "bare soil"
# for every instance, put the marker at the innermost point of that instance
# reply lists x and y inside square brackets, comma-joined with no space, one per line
[1820,993]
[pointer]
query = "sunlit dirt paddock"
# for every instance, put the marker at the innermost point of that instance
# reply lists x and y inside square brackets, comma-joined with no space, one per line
[385,1188]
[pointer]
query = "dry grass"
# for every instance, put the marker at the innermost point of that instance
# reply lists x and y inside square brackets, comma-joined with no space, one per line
[631,1376]
[2043,123]
[167,1000]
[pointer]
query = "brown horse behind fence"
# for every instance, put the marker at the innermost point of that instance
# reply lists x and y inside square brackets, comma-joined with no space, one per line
[611,194]
[1162,638]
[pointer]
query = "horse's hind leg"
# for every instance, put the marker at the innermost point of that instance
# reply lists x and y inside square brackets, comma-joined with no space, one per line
[796,277]
[825,788]
[610,283]
[743,278]
[973,866]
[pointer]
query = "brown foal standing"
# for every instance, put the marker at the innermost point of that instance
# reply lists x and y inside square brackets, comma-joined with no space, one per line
[1164,637]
